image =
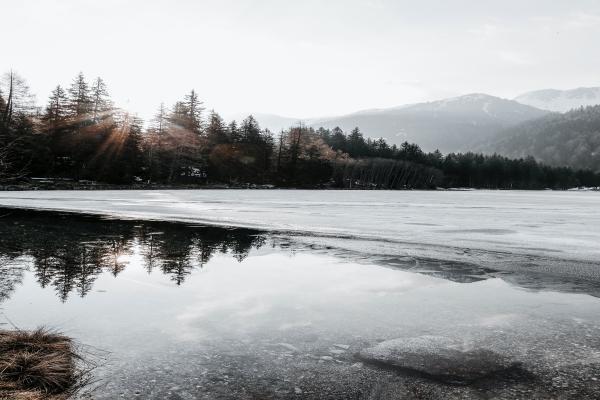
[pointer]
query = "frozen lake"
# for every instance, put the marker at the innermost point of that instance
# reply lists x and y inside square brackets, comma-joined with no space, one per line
[565,225]
[441,295]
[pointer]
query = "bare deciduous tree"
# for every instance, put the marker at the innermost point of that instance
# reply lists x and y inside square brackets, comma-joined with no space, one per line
[18,99]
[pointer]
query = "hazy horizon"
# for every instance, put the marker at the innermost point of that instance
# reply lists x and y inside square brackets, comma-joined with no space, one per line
[302,60]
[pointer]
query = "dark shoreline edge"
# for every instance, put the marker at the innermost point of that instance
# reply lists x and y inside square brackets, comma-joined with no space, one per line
[101,186]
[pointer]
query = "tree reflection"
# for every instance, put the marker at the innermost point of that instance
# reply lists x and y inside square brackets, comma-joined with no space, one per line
[11,274]
[69,252]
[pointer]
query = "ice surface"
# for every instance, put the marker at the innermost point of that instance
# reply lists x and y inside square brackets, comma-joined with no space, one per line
[563,225]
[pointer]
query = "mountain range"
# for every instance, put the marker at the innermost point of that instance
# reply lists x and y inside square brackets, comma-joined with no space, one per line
[454,124]
[536,123]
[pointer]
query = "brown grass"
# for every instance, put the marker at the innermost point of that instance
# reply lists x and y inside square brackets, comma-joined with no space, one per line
[38,365]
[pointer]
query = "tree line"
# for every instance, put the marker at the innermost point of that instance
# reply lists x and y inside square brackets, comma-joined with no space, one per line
[81,136]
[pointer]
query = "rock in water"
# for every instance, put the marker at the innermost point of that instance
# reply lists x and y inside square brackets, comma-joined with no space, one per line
[438,358]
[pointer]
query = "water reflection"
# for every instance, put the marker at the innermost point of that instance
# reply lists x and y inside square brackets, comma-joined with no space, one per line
[69,252]
[10,276]
[291,318]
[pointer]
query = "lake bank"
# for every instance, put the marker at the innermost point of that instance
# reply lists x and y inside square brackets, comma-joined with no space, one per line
[243,187]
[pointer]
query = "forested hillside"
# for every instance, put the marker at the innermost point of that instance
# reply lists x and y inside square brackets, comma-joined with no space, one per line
[450,125]
[571,139]
[79,136]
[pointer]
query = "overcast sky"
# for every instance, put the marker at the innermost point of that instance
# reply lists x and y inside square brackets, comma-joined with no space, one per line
[302,58]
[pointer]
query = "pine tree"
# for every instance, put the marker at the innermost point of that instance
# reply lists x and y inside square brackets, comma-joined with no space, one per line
[101,102]
[156,142]
[357,147]
[132,156]
[193,112]
[80,101]
[216,131]
[57,108]
[178,115]
[250,130]
[338,139]
[233,132]
[159,123]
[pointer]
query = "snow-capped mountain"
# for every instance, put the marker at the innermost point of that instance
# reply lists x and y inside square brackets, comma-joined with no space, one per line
[561,100]
[453,124]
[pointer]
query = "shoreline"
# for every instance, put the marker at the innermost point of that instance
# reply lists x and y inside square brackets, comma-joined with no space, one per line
[248,186]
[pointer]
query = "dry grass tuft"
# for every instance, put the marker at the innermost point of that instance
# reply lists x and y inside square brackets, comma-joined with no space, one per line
[38,365]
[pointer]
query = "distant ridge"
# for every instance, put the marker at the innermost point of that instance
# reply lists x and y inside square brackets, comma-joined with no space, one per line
[561,100]
[275,123]
[571,139]
[453,124]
